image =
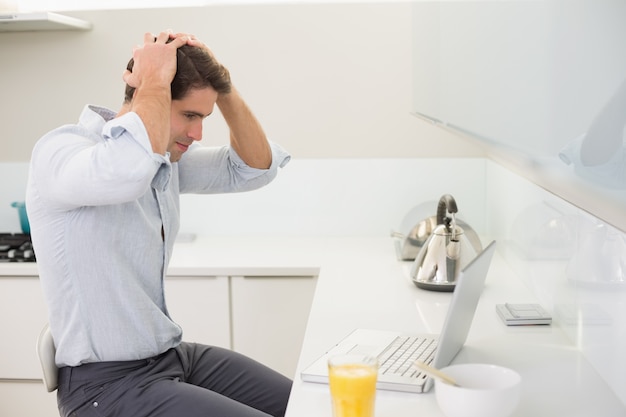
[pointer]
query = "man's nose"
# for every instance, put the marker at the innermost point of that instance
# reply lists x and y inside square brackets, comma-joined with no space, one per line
[195,132]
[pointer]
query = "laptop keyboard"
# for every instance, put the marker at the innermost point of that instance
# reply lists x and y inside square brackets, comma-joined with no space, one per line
[399,357]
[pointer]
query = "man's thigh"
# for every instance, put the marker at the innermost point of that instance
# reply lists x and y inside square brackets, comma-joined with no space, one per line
[235,376]
[166,398]
[174,398]
[194,380]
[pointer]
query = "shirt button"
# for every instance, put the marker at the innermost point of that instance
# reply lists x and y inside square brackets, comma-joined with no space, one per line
[95,403]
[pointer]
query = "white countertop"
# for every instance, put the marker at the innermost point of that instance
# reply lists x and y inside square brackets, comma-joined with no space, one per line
[361,284]
[228,256]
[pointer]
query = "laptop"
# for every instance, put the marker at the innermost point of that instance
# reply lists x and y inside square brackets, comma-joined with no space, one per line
[436,350]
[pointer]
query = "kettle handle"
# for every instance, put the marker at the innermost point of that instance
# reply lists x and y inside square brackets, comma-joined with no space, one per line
[446,204]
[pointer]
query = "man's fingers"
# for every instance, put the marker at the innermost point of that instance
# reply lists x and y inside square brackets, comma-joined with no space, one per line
[163,37]
[148,38]
[179,41]
[129,79]
[181,35]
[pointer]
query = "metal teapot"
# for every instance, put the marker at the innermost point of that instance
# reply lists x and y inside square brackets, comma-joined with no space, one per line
[416,228]
[446,252]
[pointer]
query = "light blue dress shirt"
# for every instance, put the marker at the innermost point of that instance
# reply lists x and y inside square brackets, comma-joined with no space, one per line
[104,214]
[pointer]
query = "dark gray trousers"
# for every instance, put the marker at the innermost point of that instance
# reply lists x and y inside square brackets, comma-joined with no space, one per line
[191,380]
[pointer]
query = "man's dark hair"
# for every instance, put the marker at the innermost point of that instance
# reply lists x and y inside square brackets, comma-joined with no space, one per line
[195,68]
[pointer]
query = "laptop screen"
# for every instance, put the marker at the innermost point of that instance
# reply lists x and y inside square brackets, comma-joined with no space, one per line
[462,307]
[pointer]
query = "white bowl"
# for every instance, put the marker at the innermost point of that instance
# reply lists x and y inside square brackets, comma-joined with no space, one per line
[485,391]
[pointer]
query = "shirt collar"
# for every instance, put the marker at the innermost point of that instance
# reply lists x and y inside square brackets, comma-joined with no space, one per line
[94,117]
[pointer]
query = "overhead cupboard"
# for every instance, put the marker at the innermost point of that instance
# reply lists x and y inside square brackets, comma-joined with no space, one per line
[541,83]
[40,21]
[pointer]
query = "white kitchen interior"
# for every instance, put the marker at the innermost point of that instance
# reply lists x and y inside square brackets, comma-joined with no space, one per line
[344,87]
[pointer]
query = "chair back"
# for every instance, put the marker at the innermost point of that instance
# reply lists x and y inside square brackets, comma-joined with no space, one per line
[46,352]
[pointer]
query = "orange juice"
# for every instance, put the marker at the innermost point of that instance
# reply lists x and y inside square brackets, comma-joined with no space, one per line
[353,387]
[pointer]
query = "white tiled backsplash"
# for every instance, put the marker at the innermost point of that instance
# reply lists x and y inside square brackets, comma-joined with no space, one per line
[339,197]
[574,263]
[14,176]
[313,197]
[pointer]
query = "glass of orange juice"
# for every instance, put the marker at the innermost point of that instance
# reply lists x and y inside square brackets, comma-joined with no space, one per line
[352,380]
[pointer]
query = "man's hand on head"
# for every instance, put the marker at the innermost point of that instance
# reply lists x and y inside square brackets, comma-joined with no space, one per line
[155,60]
[151,74]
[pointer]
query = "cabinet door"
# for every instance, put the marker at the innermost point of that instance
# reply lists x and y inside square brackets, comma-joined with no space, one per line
[27,399]
[200,305]
[269,318]
[23,314]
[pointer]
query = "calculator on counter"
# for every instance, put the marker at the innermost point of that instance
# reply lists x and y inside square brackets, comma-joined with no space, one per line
[523,314]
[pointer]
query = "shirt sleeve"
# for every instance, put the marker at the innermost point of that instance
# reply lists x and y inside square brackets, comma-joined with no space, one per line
[209,170]
[75,167]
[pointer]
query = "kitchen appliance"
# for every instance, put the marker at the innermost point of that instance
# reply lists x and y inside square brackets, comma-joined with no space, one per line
[16,247]
[417,226]
[414,231]
[21,210]
[446,252]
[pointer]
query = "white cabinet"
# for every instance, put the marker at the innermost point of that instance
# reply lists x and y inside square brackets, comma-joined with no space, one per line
[41,21]
[201,306]
[23,314]
[27,399]
[263,317]
[269,317]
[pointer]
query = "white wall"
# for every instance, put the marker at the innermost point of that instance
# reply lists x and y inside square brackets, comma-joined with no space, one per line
[326,80]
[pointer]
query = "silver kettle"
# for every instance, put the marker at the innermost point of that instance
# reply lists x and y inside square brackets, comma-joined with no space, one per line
[446,252]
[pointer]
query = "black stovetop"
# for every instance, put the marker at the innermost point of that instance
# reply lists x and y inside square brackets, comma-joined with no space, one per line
[16,247]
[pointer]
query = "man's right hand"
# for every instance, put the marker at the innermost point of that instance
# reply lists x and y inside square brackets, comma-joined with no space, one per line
[152,74]
[155,60]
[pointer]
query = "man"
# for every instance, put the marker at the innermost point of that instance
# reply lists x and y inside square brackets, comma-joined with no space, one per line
[103,203]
